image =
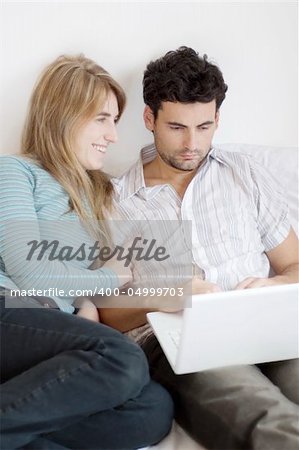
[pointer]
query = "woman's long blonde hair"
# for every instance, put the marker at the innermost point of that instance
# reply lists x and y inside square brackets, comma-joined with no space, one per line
[70,92]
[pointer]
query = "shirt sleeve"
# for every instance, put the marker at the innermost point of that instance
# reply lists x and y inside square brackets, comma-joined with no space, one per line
[272,209]
[19,225]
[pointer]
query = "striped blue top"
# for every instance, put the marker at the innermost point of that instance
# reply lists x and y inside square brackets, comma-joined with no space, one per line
[34,211]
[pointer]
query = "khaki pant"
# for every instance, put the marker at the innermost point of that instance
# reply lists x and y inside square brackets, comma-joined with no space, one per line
[239,407]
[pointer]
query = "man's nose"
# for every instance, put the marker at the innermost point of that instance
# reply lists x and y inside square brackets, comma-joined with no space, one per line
[190,140]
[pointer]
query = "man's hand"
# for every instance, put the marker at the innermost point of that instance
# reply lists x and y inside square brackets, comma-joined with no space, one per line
[200,286]
[196,286]
[252,282]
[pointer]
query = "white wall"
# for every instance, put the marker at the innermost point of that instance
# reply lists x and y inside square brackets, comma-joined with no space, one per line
[255,45]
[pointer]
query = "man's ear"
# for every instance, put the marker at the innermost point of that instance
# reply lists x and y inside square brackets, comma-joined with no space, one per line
[148,117]
[217,118]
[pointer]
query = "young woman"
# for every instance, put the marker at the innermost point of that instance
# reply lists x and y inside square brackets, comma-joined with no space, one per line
[67,382]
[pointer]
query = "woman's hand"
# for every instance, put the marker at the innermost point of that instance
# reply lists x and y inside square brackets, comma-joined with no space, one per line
[86,309]
[124,273]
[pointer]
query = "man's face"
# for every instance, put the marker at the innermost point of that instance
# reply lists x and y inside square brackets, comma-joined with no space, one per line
[183,132]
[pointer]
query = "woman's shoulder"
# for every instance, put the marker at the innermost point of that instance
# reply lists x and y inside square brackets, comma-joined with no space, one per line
[18,163]
[20,167]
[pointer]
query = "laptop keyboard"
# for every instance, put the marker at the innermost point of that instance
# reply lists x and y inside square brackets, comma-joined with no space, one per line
[175,336]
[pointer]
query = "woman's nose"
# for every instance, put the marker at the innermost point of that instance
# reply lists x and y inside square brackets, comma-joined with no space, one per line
[111,134]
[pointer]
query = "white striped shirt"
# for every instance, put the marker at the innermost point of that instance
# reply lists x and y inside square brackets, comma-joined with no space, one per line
[237,209]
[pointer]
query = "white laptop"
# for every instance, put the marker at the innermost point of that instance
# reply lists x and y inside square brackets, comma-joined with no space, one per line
[227,328]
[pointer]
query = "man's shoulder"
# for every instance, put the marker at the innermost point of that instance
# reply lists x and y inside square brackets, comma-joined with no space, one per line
[232,156]
[125,184]
[238,162]
[121,180]
[132,179]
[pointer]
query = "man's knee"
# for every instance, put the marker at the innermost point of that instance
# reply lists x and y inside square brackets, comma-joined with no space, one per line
[285,375]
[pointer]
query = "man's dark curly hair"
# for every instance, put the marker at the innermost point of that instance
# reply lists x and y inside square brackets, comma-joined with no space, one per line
[182,76]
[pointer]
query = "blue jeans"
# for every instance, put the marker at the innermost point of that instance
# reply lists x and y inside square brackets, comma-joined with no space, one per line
[70,383]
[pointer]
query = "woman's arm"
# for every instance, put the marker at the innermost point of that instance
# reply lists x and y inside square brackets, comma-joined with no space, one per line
[20,225]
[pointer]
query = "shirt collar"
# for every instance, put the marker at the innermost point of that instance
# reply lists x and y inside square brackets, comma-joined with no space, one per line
[218,155]
[132,182]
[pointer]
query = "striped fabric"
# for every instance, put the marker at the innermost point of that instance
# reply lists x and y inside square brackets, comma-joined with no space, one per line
[34,206]
[237,209]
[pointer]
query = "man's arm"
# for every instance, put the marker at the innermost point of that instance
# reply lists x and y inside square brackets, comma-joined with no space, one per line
[284,260]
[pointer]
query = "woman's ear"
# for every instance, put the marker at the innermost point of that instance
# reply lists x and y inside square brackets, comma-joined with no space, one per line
[148,117]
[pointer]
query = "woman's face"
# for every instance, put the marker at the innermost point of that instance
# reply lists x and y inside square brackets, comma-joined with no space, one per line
[93,137]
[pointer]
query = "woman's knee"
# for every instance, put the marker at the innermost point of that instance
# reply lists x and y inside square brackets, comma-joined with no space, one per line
[128,360]
[111,351]
[158,412]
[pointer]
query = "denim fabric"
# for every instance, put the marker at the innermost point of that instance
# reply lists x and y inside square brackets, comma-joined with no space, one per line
[238,407]
[70,383]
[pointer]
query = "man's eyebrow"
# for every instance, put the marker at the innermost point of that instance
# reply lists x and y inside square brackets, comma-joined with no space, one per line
[177,124]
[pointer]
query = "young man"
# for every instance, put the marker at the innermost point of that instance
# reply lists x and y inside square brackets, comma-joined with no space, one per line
[239,228]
